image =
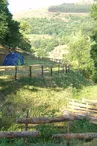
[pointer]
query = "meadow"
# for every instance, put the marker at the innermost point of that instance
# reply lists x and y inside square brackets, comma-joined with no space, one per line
[44,33]
[44,97]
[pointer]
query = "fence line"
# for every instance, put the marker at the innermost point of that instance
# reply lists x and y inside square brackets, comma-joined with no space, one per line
[88,107]
[68,116]
[77,110]
[32,70]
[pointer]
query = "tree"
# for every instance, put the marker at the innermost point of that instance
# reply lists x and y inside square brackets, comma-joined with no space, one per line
[10,34]
[25,44]
[24,27]
[94,34]
[4,16]
[94,11]
[79,48]
[13,36]
[9,29]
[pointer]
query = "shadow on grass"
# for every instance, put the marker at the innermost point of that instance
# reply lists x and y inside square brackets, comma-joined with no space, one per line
[14,105]
[61,80]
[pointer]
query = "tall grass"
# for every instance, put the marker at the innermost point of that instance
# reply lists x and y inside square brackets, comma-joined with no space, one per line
[43,97]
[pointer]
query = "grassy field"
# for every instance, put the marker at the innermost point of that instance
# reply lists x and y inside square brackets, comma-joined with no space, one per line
[44,97]
[31,60]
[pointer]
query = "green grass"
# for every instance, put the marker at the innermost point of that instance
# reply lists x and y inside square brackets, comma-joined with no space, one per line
[44,97]
[31,60]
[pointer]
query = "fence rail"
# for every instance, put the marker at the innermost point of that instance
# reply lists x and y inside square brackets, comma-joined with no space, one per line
[76,110]
[69,115]
[76,135]
[88,107]
[22,134]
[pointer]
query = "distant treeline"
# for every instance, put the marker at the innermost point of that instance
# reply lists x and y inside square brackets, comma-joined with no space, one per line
[70,8]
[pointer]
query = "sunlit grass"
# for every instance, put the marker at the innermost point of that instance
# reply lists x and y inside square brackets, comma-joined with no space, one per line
[44,97]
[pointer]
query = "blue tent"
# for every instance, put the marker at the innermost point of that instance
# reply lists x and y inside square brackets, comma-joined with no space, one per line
[13,59]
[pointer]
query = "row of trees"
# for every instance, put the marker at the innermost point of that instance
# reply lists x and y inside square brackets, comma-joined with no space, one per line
[10,29]
[71,8]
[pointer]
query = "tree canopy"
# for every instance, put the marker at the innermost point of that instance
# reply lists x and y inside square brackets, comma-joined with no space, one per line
[9,29]
[94,34]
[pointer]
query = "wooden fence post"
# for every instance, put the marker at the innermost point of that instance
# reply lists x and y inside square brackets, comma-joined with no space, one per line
[66,68]
[16,72]
[68,131]
[51,71]
[58,68]
[63,69]
[42,73]
[30,70]
[73,107]
[26,127]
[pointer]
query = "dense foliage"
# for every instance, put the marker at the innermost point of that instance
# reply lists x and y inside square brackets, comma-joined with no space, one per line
[42,48]
[94,39]
[80,52]
[10,35]
[9,29]
[58,26]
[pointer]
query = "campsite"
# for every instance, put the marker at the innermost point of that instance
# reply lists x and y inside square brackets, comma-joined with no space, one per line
[48,75]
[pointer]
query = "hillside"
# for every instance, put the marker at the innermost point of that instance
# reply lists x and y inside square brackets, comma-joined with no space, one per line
[47,30]
[40,13]
[44,88]
[43,13]
[43,97]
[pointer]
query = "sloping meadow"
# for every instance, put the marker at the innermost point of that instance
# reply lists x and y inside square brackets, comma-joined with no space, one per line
[43,97]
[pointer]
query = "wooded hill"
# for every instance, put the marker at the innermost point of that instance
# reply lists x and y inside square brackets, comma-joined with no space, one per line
[54,11]
[73,30]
